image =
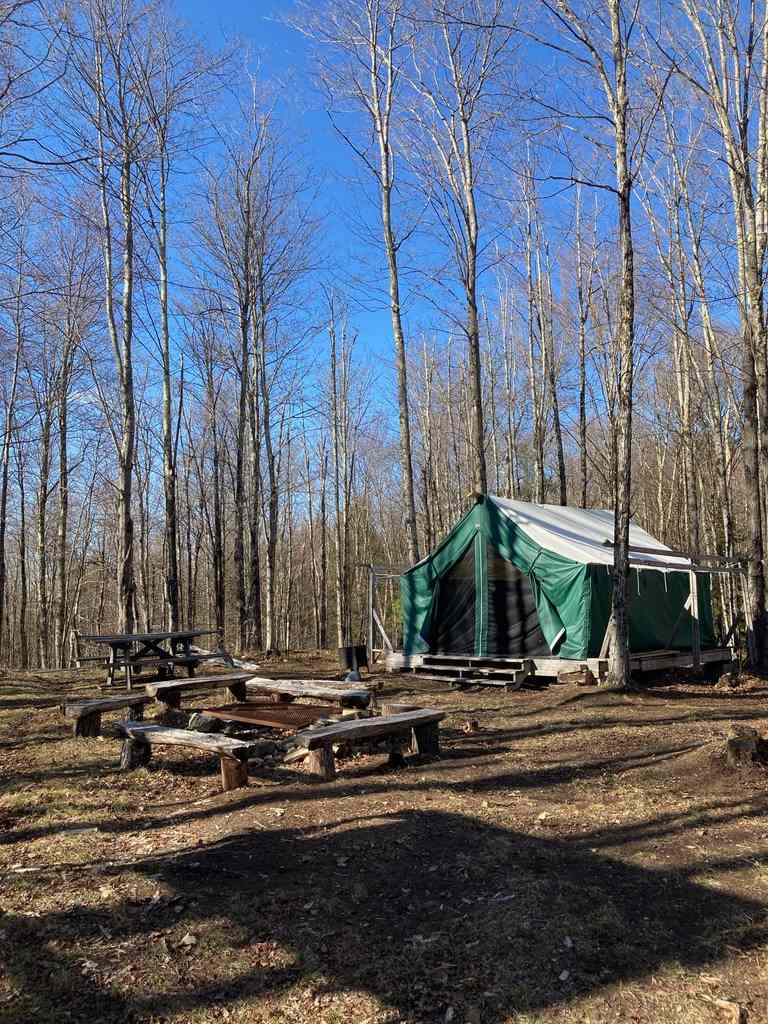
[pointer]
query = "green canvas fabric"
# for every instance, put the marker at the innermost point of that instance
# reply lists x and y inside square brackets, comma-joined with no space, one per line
[572,598]
[655,602]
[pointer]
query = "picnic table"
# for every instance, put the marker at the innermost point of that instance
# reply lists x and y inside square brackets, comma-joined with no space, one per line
[163,650]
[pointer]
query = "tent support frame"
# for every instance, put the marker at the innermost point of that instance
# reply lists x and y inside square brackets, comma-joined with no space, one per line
[377,574]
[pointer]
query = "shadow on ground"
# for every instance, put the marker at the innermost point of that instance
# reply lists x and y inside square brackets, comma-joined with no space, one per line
[422,910]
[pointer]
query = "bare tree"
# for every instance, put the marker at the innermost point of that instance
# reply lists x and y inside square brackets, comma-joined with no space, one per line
[171,72]
[107,119]
[372,38]
[585,276]
[719,65]
[458,63]
[608,56]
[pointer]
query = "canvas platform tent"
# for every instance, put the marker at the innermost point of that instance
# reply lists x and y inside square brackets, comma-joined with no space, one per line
[515,579]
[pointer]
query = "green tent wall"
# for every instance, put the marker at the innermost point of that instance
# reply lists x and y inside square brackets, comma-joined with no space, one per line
[573,597]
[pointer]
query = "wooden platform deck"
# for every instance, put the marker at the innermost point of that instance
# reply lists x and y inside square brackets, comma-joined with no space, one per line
[511,673]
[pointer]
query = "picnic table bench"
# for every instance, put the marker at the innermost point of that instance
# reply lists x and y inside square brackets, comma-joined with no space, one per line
[286,690]
[86,713]
[160,649]
[422,724]
[140,738]
[169,691]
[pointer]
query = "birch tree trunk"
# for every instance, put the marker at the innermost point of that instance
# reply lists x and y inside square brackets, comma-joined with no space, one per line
[612,78]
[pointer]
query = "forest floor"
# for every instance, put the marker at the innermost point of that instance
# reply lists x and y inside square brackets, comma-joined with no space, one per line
[584,856]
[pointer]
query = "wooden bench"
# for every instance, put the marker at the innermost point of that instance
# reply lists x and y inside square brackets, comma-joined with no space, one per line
[86,713]
[139,740]
[163,664]
[188,661]
[169,692]
[421,724]
[286,690]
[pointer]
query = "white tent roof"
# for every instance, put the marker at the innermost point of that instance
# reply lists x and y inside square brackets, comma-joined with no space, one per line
[580,534]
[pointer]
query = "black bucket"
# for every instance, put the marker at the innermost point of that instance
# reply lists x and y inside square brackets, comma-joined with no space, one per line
[353,657]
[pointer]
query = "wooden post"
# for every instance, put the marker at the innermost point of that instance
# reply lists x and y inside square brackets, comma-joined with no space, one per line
[605,646]
[746,598]
[396,758]
[87,725]
[74,635]
[135,754]
[321,763]
[427,738]
[371,596]
[238,692]
[384,637]
[234,774]
[678,620]
[172,699]
[695,623]
[110,681]
[397,709]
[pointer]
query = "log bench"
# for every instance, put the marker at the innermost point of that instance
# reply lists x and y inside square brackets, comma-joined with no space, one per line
[287,690]
[169,692]
[86,714]
[421,725]
[140,738]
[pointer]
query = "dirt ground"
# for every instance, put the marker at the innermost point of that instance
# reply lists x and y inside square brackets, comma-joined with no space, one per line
[583,857]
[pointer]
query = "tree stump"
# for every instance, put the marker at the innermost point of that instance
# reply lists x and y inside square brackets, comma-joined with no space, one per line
[322,764]
[134,754]
[234,773]
[87,725]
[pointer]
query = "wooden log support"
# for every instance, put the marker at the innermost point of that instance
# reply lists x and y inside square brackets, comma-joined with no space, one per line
[695,623]
[234,773]
[396,758]
[400,709]
[87,725]
[171,699]
[742,746]
[427,739]
[322,764]
[134,754]
[238,691]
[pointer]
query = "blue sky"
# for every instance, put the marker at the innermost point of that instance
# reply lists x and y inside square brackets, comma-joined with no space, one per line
[283,58]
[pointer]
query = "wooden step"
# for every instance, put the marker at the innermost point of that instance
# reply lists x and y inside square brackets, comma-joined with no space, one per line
[470,661]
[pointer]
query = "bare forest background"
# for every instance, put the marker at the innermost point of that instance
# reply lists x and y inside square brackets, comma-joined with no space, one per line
[558,209]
